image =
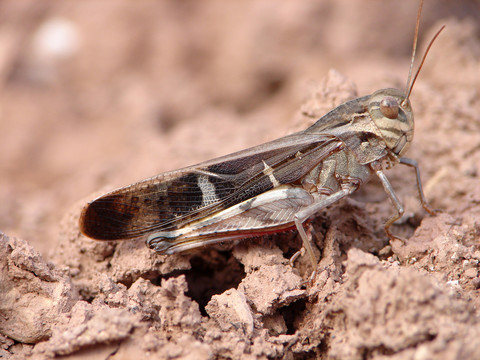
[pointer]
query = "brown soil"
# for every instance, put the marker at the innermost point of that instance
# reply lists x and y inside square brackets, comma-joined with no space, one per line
[138,89]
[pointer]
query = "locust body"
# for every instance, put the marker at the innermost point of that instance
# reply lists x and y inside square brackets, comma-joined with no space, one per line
[264,189]
[268,188]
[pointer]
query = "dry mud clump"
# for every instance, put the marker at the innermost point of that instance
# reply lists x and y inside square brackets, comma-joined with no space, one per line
[359,306]
[71,297]
[413,300]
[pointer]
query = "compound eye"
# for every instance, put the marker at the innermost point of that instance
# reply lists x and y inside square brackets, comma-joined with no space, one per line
[389,107]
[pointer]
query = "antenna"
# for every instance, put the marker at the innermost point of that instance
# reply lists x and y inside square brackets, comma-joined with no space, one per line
[409,86]
[408,89]
[423,60]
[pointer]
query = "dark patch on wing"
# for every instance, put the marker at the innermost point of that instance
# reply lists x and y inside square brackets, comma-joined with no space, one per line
[183,195]
[108,218]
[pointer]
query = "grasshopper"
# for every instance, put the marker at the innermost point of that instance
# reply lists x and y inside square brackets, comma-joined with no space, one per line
[271,187]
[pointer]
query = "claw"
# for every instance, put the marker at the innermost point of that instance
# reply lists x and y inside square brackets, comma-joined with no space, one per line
[394,237]
[311,279]
[295,256]
[431,211]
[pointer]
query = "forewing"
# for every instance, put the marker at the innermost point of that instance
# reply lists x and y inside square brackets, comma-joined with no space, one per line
[171,200]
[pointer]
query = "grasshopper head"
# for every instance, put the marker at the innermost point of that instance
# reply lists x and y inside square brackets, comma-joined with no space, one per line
[392,113]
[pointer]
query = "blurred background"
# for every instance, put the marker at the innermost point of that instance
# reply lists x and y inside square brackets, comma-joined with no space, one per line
[96,95]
